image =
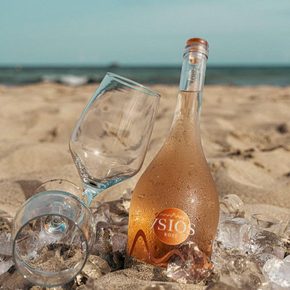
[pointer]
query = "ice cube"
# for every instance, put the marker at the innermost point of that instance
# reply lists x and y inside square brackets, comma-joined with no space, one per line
[111,220]
[267,222]
[234,268]
[263,242]
[233,232]
[191,266]
[113,214]
[238,233]
[278,272]
[232,206]
[101,213]
[127,193]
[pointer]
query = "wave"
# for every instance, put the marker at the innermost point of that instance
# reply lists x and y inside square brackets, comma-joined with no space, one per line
[70,80]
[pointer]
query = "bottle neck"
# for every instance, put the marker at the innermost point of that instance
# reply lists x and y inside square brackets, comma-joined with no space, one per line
[193,72]
[188,106]
[192,79]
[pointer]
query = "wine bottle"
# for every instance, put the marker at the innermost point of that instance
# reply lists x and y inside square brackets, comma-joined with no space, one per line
[175,200]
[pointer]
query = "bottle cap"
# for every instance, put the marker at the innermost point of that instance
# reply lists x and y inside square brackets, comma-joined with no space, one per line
[198,45]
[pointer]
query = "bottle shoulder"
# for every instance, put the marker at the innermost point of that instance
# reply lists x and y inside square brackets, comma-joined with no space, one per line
[176,159]
[180,164]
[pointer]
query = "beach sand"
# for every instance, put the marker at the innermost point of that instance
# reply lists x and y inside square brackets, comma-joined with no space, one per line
[245,134]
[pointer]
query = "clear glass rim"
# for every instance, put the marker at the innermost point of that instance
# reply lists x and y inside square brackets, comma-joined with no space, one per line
[60,181]
[133,84]
[41,193]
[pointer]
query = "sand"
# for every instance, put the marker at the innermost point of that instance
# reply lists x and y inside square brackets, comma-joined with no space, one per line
[245,133]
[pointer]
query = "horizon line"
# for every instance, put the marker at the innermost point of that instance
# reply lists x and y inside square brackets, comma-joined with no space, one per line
[117,65]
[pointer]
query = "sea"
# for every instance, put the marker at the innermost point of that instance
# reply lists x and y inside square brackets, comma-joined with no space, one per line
[169,75]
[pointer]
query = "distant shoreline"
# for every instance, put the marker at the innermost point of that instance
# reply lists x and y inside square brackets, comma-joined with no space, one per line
[169,75]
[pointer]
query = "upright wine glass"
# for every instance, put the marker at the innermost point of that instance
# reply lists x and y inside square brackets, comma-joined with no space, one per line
[53,231]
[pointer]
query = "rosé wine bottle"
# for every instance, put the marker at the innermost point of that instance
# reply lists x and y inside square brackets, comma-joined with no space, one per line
[175,200]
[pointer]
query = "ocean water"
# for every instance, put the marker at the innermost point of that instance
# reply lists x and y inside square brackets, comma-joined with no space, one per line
[72,75]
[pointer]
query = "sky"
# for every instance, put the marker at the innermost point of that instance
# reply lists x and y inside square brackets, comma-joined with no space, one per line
[148,32]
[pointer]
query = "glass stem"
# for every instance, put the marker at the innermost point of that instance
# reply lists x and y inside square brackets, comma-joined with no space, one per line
[91,191]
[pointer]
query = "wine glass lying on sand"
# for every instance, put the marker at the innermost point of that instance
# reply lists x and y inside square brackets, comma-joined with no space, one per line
[54,230]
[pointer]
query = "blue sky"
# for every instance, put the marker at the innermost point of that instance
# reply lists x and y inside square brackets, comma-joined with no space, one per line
[132,32]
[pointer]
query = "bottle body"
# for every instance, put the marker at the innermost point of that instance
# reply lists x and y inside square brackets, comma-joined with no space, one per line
[175,199]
